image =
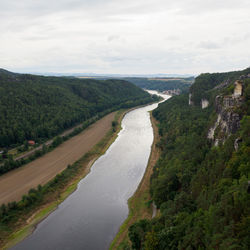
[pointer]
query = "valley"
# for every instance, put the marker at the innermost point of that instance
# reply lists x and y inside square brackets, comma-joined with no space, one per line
[204,130]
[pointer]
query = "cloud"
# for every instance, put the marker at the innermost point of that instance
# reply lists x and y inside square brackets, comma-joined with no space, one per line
[197,7]
[115,36]
[208,45]
[173,38]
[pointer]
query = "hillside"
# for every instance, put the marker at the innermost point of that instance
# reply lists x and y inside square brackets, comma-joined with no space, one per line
[37,107]
[201,181]
[207,86]
[162,84]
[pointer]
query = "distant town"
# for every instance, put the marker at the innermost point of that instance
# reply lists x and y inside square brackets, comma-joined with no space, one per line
[172,92]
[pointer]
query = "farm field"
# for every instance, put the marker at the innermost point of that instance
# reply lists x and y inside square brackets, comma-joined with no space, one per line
[18,182]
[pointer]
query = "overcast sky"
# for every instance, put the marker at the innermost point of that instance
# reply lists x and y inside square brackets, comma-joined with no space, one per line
[124,36]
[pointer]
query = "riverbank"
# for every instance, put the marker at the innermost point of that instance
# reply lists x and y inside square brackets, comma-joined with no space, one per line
[27,220]
[140,205]
[16,183]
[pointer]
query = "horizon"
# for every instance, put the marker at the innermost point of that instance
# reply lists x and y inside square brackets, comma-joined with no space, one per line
[121,75]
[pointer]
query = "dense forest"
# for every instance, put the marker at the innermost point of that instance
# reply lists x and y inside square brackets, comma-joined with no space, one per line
[207,85]
[37,107]
[202,190]
[162,84]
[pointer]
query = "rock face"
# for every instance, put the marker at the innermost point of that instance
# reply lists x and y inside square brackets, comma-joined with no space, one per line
[190,99]
[204,103]
[228,120]
[225,107]
[236,143]
[211,131]
[238,90]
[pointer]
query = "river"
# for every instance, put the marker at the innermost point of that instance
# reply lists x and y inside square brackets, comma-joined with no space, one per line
[91,216]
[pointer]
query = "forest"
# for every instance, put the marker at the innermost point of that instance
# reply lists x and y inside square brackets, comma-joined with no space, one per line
[162,84]
[38,107]
[202,190]
[207,85]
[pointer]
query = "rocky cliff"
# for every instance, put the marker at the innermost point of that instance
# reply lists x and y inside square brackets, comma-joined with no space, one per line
[229,115]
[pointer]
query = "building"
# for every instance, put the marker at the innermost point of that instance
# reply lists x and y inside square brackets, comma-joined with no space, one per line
[30,142]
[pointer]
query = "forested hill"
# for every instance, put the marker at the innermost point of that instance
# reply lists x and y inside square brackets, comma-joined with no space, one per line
[37,107]
[201,182]
[162,84]
[205,85]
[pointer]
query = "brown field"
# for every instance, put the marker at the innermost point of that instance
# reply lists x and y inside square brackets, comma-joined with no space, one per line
[47,143]
[19,181]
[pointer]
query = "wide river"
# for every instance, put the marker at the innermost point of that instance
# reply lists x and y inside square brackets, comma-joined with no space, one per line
[91,216]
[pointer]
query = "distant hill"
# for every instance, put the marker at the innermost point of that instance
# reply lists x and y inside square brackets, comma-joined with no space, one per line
[159,82]
[162,83]
[7,73]
[110,76]
[37,107]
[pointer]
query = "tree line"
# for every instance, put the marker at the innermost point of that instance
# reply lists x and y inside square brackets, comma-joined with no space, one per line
[205,83]
[202,191]
[37,107]
[168,84]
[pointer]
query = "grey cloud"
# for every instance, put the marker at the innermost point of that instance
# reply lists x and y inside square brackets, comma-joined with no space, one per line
[196,7]
[44,7]
[114,35]
[208,45]
[36,38]
[113,38]
[247,36]
[173,38]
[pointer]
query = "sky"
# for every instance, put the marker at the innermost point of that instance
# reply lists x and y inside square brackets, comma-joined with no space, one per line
[124,36]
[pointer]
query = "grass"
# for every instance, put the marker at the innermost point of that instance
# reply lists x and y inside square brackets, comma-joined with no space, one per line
[138,209]
[28,229]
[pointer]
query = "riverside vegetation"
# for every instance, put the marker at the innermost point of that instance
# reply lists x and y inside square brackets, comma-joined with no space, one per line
[38,108]
[59,103]
[201,189]
[18,219]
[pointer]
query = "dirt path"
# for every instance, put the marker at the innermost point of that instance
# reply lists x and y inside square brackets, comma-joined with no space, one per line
[19,181]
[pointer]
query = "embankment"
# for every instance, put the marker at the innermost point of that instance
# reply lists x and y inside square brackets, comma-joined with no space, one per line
[139,205]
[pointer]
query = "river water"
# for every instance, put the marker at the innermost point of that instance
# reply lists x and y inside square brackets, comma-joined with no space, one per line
[91,216]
